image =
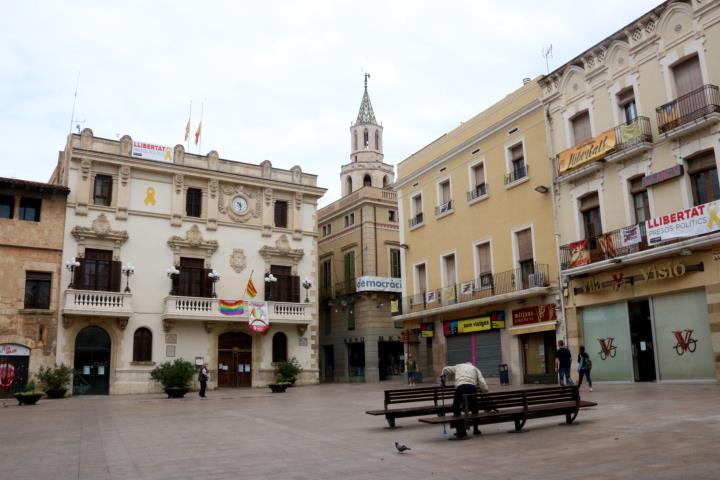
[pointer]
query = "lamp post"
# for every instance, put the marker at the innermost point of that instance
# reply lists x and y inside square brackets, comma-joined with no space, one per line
[171,273]
[128,270]
[214,277]
[307,283]
[72,265]
[269,279]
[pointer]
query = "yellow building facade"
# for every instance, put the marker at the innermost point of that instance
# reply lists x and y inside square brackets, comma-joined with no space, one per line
[634,128]
[478,251]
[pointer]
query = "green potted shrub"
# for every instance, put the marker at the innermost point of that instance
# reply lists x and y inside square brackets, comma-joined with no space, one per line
[285,375]
[175,377]
[55,380]
[30,395]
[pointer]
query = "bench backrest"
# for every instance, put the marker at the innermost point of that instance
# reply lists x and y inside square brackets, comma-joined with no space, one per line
[542,396]
[423,394]
[520,398]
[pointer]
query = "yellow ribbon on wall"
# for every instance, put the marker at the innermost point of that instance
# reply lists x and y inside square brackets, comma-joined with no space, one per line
[713,217]
[150,196]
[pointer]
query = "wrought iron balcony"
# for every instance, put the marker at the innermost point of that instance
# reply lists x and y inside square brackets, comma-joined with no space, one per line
[96,303]
[692,108]
[444,208]
[606,246]
[477,192]
[631,138]
[485,286]
[518,173]
[416,220]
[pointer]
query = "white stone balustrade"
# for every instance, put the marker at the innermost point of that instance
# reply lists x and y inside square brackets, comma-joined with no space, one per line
[95,303]
[290,312]
[207,309]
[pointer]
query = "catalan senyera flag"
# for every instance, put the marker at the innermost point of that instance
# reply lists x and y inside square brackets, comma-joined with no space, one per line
[251,290]
[198,132]
[187,130]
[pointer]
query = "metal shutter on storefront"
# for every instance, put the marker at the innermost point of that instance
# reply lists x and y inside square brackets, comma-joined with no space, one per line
[487,351]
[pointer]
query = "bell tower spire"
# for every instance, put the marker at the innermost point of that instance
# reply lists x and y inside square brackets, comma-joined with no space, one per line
[366,167]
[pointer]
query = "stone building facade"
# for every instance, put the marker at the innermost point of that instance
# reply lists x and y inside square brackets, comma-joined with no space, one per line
[193,230]
[32,219]
[634,129]
[359,264]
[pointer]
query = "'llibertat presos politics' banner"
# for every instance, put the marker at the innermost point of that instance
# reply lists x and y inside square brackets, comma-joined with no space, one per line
[689,222]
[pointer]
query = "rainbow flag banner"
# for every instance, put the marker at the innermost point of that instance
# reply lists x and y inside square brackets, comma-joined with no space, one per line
[232,307]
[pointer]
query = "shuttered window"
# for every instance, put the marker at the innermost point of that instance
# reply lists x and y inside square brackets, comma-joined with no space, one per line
[287,287]
[524,243]
[193,202]
[478,174]
[281,213]
[483,256]
[99,272]
[590,210]
[102,194]
[142,345]
[395,263]
[687,76]
[349,261]
[704,177]
[581,127]
[193,280]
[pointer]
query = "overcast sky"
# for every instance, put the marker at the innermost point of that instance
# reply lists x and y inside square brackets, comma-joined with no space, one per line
[280,80]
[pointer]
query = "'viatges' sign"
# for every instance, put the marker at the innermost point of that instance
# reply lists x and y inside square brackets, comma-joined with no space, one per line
[378,284]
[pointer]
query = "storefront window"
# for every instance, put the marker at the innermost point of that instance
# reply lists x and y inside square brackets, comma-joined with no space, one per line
[607,341]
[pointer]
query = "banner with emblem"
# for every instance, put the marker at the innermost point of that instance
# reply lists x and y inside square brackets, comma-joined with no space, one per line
[579,253]
[258,321]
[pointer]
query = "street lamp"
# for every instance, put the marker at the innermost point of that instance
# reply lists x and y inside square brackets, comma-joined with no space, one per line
[128,270]
[306,285]
[214,277]
[269,279]
[171,273]
[72,265]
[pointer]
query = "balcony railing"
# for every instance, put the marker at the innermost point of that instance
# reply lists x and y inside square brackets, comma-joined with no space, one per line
[477,192]
[90,302]
[416,220]
[518,173]
[207,309]
[691,106]
[632,133]
[485,286]
[346,287]
[290,312]
[444,208]
[606,246]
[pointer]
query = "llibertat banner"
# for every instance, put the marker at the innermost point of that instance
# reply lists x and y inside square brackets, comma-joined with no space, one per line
[378,284]
[689,222]
[151,151]
[588,151]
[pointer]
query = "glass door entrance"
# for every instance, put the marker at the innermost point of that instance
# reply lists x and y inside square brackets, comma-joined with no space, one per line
[539,357]
[641,341]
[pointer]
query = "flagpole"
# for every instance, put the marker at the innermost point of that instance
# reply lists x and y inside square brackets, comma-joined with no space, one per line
[188,128]
[202,108]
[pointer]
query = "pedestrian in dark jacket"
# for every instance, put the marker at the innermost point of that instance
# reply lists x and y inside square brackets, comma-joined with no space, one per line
[563,361]
[584,367]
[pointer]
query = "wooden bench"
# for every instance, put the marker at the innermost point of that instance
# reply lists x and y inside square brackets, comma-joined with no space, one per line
[517,406]
[435,400]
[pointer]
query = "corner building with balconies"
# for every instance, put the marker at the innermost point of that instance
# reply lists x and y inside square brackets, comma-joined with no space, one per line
[634,129]
[478,251]
[159,246]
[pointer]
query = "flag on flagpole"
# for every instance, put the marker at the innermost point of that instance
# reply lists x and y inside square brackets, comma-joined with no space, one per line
[187,130]
[251,288]
[198,132]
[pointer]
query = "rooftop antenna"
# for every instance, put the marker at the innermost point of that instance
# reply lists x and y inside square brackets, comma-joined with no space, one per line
[547,53]
[72,115]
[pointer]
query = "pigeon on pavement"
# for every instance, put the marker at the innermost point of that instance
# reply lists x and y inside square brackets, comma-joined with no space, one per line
[401,448]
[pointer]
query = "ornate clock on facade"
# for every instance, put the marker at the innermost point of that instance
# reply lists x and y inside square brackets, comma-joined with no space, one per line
[239,205]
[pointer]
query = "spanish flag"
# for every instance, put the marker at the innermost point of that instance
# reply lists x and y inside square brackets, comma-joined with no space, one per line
[198,132]
[251,288]
[187,130]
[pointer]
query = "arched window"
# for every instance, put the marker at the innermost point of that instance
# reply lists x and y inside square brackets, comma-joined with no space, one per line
[142,345]
[385,181]
[279,352]
[366,139]
[377,139]
[349,185]
[367,181]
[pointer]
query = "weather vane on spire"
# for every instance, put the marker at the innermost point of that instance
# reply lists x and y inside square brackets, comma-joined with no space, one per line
[367,75]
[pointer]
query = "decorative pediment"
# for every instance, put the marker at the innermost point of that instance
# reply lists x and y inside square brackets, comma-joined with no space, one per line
[282,249]
[100,230]
[193,240]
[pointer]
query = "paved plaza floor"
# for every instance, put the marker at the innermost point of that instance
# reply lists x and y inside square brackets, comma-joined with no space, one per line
[647,431]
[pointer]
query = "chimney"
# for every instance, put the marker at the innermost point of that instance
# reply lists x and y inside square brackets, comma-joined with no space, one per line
[526,80]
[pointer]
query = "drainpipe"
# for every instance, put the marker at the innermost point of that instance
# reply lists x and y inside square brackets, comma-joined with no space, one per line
[375,233]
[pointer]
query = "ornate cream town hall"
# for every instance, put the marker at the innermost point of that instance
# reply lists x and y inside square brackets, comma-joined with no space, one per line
[159,248]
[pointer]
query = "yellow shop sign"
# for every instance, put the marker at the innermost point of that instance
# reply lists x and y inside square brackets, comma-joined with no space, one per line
[474,325]
[586,152]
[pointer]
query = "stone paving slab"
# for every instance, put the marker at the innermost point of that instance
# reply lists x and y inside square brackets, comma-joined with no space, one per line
[653,431]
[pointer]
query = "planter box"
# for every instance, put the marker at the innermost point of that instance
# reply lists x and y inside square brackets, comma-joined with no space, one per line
[56,392]
[278,387]
[176,392]
[28,398]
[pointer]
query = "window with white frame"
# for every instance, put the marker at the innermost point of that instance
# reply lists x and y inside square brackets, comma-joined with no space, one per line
[687,76]
[483,266]
[448,264]
[444,197]
[420,283]
[518,167]
[526,261]
[416,209]
[626,103]
[478,187]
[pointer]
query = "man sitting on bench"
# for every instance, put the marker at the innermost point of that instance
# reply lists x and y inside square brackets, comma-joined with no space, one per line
[468,380]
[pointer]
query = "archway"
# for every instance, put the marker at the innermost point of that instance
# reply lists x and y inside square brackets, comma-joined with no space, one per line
[92,362]
[367,181]
[234,360]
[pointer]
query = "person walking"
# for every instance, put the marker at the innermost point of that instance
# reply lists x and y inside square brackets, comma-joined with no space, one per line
[584,367]
[411,369]
[203,376]
[563,361]
[468,380]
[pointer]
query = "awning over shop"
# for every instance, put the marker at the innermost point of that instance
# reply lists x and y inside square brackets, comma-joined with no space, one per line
[535,327]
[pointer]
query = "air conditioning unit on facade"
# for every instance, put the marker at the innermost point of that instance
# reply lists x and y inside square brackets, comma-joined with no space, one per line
[536,280]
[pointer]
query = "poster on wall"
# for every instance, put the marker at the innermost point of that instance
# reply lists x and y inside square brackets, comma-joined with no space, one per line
[258,321]
[151,151]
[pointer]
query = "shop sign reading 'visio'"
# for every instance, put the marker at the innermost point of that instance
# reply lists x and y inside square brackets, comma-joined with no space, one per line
[378,284]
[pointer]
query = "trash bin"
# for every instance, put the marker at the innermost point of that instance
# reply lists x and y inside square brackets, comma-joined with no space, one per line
[504,374]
